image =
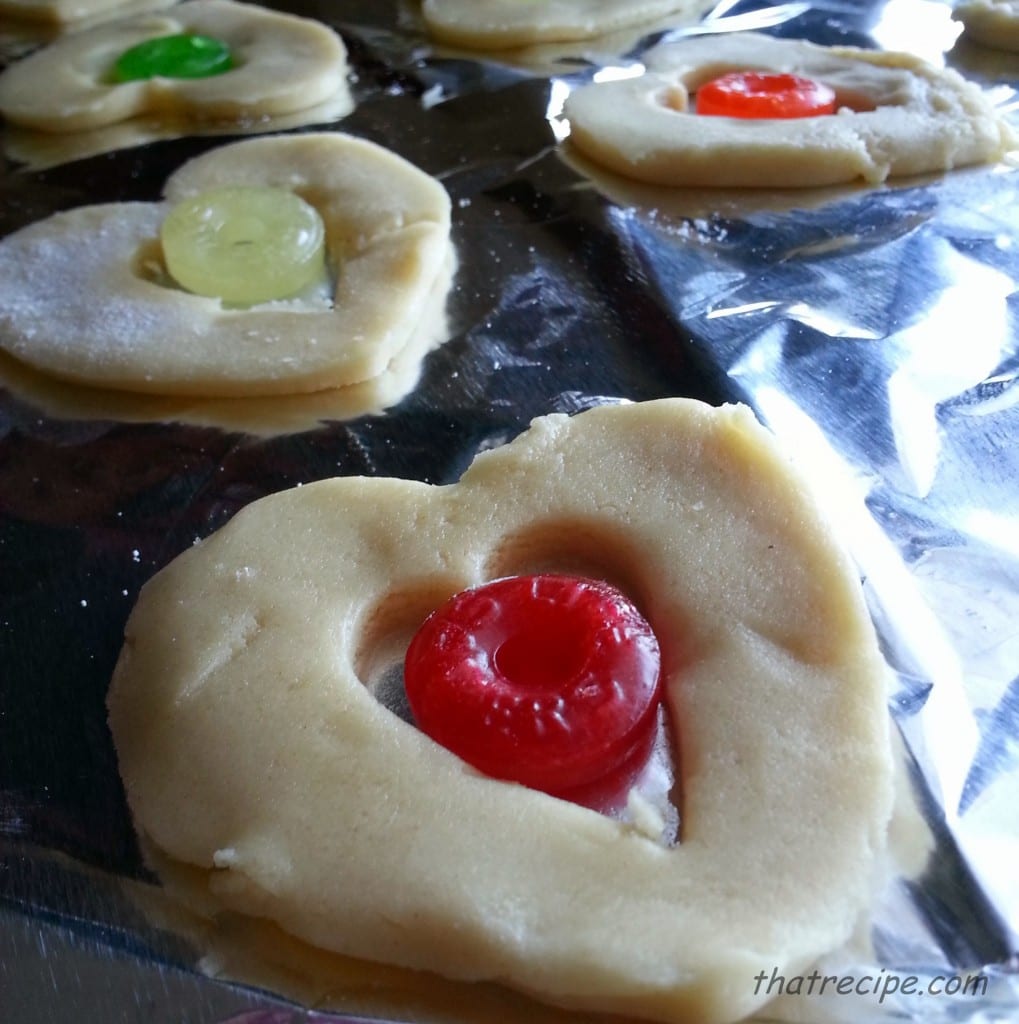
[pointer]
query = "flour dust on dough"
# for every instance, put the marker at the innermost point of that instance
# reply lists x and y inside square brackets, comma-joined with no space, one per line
[83,296]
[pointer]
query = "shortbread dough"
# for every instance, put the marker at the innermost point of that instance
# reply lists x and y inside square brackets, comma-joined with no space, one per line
[993,23]
[71,12]
[80,297]
[252,747]
[283,64]
[502,24]
[898,116]
[264,416]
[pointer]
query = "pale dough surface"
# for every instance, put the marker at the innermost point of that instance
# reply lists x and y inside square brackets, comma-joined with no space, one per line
[993,23]
[38,150]
[898,116]
[252,748]
[77,301]
[499,24]
[265,415]
[284,64]
[72,12]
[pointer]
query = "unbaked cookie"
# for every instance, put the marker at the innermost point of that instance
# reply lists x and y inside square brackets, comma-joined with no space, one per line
[502,24]
[897,116]
[282,64]
[70,12]
[263,416]
[253,749]
[993,23]
[83,296]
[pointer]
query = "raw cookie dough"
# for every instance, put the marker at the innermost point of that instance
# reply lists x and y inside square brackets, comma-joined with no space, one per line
[898,116]
[993,23]
[252,747]
[68,12]
[283,64]
[502,24]
[81,298]
[265,416]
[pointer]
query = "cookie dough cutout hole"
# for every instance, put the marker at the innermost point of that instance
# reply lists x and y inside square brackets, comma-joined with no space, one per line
[575,547]
[148,263]
[650,801]
[385,635]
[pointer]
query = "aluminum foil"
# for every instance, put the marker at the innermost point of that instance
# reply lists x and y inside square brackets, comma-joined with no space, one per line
[874,330]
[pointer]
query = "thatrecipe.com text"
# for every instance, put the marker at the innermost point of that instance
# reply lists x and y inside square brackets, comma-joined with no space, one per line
[882,985]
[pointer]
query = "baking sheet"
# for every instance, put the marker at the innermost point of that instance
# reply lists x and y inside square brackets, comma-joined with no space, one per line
[873,329]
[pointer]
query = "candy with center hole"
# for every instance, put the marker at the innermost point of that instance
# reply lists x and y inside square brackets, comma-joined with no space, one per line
[759,94]
[547,680]
[256,756]
[245,244]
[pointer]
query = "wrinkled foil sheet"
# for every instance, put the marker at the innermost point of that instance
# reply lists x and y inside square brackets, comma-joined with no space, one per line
[874,330]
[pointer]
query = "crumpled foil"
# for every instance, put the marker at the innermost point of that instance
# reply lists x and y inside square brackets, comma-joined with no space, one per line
[873,329]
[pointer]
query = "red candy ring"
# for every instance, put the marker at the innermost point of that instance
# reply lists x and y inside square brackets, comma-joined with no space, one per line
[759,94]
[551,681]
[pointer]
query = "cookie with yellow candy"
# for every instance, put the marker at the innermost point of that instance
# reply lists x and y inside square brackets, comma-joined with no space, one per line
[256,756]
[894,115]
[202,60]
[156,297]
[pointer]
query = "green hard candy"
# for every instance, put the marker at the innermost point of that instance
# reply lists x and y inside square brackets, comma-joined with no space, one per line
[179,56]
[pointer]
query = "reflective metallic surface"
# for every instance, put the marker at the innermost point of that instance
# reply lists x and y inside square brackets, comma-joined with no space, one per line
[875,330]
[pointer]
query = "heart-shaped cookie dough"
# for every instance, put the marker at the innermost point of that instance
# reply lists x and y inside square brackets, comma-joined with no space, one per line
[77,298]
[898,116]
[502,24]
[252,748]
[282,64]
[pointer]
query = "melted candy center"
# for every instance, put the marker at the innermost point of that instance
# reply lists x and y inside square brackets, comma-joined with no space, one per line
[178,56]
[756,94]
